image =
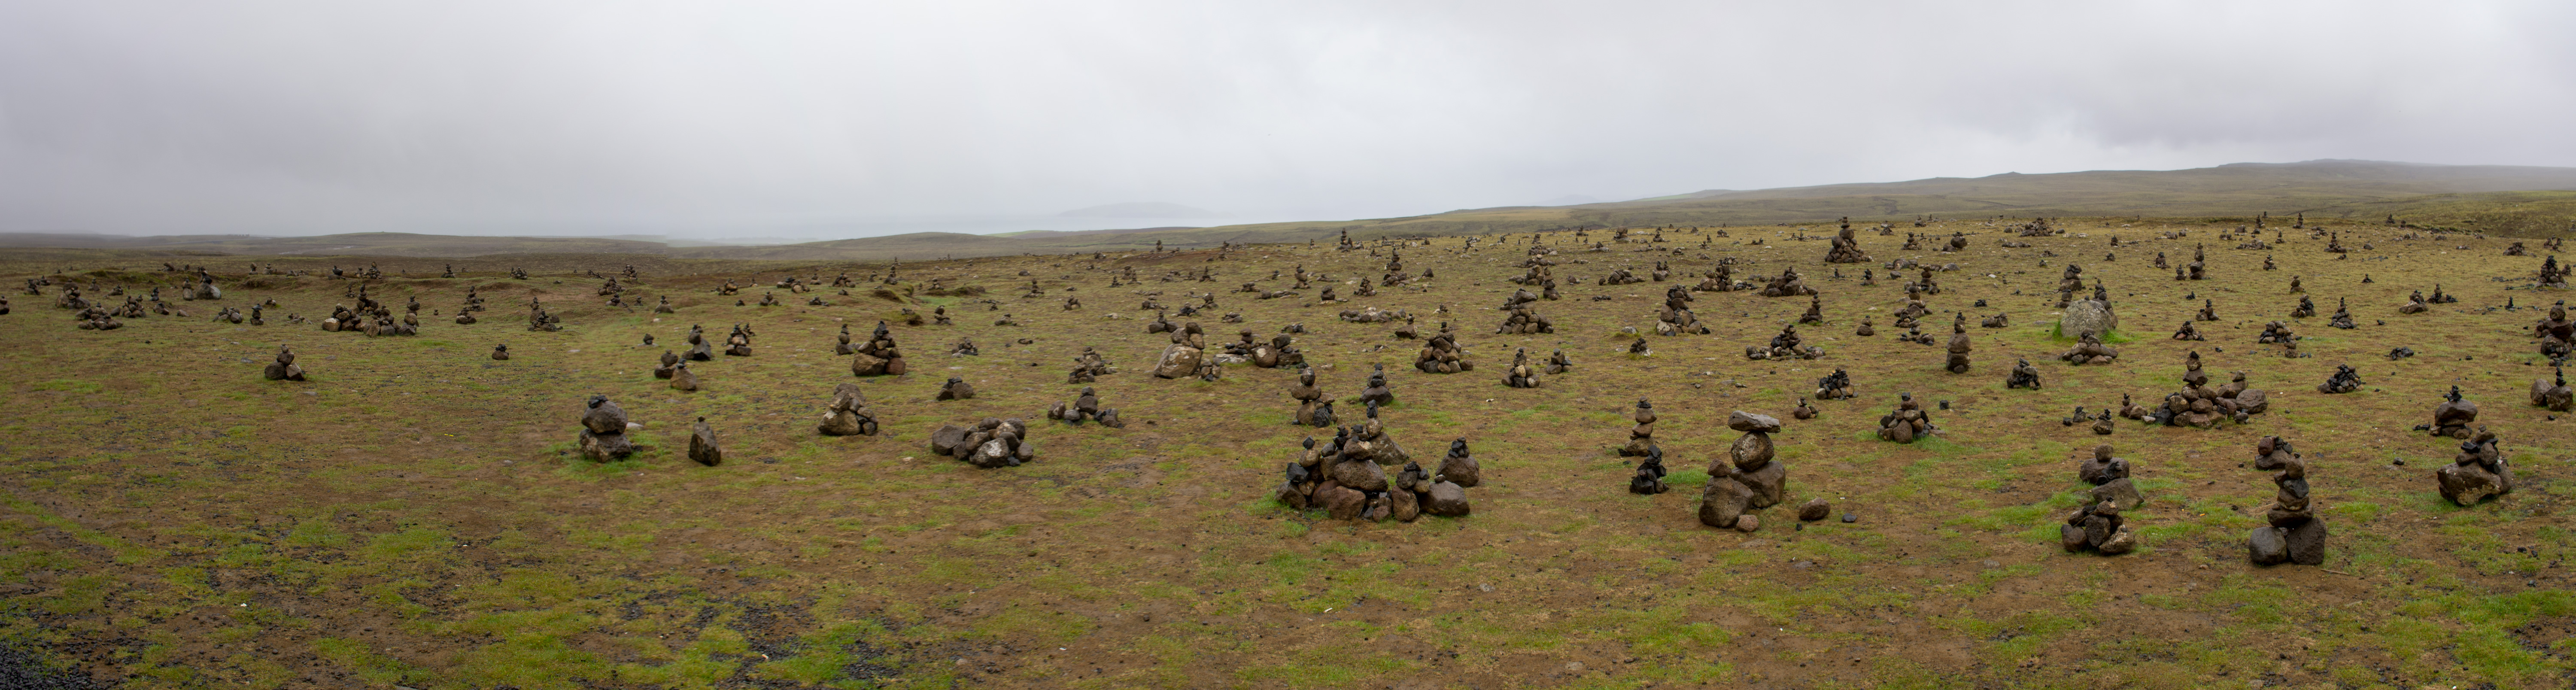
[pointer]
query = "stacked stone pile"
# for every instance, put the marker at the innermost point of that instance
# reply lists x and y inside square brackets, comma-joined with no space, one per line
[1747,480]
[603,431]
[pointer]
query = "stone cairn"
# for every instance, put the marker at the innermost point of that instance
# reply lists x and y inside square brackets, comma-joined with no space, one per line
[2295,533]
[848,414]
[1999,320]
[845,348]
[1280,351]
[1312,407]
[988,444]
[738,343]
[1522,374]
[879,356]
[603,431]
[2200,406]
[1788,284]
[2478,472]
[2190,332]
[1959,345]
[1086,407]
[1460,467]
[2555,397]
[1846,250]
[1834,386]
[1441,355]
[2342,317]
[2555,332]
[1649,477]
[1523,320]
[1786,345]
[1377,393]
[2090,350]
[1186,355]
[501,352]
[699,349]
[1907,423]
[1345,479]
[2415,304]
[1088,367]
[702,444]
[956,389]
[670,365]
[682,379]
[1803,411]
[1641,438]
[2023,376]
[1676,317]
[1865,329]
[283,368]
[2453,417]
[2098,525]
[1558,363]
[1747,479]
[2306,308]
[964,347]
[2344,380]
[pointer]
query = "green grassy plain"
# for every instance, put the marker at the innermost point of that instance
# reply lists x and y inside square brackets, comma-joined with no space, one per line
[413,516]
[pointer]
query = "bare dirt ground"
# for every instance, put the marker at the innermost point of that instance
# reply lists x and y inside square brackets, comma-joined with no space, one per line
[414,514]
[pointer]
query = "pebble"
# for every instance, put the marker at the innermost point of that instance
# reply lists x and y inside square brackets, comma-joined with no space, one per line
[1848,517]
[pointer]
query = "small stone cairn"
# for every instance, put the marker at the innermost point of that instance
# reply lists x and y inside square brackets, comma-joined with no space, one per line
[1959,345]
[1786,345]
[1834,386]
[1907,423]
[2090,350]
[1086,407]
[1676,317]
[1641,438]
[2453,417]
[283,368]
[2345,380]
[988,444]
[1846,250]
[1441,355]
[1747,480]
[879,356]
[2295,533]
[847,414]
[603,431]
[2555,397]
[2477,473]
[2023,376]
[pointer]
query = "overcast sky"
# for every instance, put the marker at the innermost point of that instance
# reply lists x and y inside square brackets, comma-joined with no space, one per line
[836,119]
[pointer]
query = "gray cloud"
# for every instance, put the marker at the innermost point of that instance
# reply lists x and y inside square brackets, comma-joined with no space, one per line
[838,119]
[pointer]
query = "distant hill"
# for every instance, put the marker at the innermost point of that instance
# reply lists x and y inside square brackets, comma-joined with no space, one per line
[2506,200]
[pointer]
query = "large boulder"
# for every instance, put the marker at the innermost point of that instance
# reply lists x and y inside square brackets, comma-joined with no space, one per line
[2468,484]
[1722,501]
[1769,485]
[1445,499]
[2267,546]
[1177,361]
[702,445]
[2087,316]
[1342,503]
[1359,474]
[1749,422]
[944,441]
[2307,543]
[2119,493]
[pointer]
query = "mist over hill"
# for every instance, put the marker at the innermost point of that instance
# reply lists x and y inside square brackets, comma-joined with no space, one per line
[2508,200]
